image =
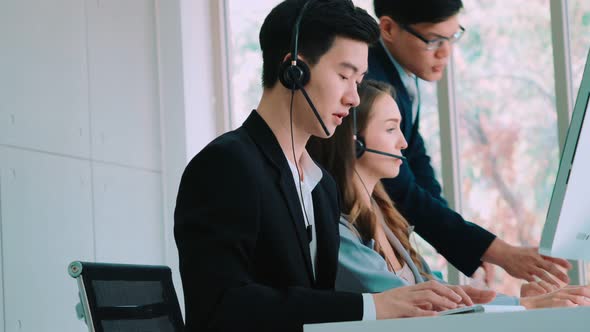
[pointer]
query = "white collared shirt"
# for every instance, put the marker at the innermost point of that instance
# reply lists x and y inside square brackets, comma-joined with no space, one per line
[312,175]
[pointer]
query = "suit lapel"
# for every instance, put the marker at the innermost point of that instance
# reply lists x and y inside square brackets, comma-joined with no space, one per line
[402,97]
[292,199]
[403,100]
[264,138]
[327,238]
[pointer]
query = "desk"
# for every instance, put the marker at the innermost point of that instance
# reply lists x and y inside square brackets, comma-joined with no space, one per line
[541,320]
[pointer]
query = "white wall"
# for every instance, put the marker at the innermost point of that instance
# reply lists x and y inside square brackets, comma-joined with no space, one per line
[96,98]
[188,114]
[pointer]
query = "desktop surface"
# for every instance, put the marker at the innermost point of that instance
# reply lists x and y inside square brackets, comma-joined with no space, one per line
[540,320]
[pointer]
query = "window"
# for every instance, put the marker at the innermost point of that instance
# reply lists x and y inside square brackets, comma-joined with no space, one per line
[579,21]
[507,123]
[245,19]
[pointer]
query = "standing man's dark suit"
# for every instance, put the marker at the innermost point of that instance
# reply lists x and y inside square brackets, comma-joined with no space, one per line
[244,254]
[416,191]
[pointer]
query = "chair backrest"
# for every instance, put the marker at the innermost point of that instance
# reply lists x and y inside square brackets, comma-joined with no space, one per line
[123,297]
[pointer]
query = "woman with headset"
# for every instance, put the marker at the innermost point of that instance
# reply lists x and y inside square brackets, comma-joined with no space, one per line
[375,251]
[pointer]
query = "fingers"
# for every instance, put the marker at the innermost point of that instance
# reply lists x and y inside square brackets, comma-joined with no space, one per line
[547,287]
[530,277]
[426,306]
[575,299]
[421,297]
[465,298]
[544,276]
[441,290]
[566,297]
[552,269]
[525,263]
[478,295]
[539,287]
[559,261]
[394,304]
[563,303]
[580,291]
[532,289]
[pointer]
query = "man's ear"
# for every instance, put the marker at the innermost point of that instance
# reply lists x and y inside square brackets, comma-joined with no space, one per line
[389,28]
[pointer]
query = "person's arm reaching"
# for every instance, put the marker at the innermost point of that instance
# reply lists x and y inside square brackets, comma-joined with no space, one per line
[462,243]
[526,262]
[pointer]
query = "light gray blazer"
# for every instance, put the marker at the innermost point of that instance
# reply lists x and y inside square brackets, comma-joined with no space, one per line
[362,270]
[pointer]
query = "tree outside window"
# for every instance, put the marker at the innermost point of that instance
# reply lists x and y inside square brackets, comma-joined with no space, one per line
[505,96]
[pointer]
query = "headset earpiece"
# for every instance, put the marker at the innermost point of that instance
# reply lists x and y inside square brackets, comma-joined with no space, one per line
[359,146]
[294,74]
[294,77]
[359,142]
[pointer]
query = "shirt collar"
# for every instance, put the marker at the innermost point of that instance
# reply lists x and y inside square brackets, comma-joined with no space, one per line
[407,79]
[312,173]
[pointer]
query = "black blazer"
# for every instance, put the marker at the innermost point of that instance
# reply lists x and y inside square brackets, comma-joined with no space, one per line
[416,191]
[244,255]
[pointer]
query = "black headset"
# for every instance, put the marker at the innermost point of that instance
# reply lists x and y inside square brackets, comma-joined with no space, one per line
[294,73]
[359,142]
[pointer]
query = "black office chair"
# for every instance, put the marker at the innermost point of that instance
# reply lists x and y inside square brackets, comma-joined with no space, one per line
[122,297]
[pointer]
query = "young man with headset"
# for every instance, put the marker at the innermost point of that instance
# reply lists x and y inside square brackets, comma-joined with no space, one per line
[256,220]
[416,43]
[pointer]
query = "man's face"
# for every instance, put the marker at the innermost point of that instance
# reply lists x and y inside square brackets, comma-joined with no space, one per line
[412,53]
[333,85]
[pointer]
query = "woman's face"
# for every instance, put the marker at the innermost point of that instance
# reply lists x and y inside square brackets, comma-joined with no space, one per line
[383,133]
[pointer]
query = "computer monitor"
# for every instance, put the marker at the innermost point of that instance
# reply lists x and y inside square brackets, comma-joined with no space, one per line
[566,233]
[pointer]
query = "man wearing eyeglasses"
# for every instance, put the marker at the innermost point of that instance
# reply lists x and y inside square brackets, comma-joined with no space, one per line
[416,43]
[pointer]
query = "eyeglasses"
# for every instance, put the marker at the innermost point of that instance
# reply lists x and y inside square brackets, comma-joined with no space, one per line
[435,44]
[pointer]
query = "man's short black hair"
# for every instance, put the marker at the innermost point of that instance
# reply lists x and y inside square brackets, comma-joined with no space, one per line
[408,12]
[321,23]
